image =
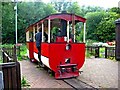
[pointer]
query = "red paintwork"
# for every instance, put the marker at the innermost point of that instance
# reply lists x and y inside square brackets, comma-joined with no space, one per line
[60,39]
[67,17]
[68,72]
[45,49]
[31,47]
[57,53]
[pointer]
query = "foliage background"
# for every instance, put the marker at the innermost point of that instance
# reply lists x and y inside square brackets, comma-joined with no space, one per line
[100,21]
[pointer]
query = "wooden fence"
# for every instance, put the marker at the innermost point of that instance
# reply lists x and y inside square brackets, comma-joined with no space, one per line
[11,70]
[95,51]
[110,52]
[11,51]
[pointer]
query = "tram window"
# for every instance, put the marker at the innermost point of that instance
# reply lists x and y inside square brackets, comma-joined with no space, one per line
[45,37]
[35,29]
[79,32]
[54,33]
[71,35]
[31,36]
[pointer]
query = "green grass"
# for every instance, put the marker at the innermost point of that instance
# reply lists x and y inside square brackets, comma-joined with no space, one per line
[23,51]
[1,61]
[102,52]
[7,45]
[87,54]
[24,83]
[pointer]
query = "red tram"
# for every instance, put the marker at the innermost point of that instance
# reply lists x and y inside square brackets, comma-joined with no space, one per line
[60,53]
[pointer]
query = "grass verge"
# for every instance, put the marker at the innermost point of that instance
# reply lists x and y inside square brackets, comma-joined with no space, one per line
[24,83]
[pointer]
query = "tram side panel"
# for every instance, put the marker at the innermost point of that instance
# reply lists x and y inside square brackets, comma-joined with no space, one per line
[30,50]
[45,54]
[54,55]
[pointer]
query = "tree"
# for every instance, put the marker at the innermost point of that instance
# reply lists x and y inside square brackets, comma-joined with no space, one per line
[61,5]
[88,9]
[93,19]
[49,9]
[106,28]
[8,23]
[115,9]
[28,13]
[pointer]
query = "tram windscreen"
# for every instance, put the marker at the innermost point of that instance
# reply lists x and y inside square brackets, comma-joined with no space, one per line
[63,27]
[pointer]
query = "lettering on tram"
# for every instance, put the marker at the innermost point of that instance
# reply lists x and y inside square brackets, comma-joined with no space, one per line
[60,50]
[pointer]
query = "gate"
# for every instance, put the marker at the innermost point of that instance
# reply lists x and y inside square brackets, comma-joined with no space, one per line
[11,70]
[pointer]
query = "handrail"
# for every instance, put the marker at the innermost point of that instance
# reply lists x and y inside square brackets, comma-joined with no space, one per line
[10,59]
[9,64]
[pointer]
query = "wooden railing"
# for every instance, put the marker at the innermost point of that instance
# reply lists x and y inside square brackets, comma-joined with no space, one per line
[110,52]
[11,51]
[95,51]
[11,70]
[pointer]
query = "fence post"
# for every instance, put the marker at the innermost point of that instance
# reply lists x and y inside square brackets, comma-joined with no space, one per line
[18,73]
[105,52]
[97,52]
[117,30]
[14,54]
[3,55]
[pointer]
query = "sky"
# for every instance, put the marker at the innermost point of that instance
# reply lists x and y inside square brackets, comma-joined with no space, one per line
[101,3]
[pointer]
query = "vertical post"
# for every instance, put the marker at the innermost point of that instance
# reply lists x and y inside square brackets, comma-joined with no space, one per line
[48,30]
[105,52]
[68,31]
[16,19]
[37,28]
[33,32]
[15,54]
[42,32]
[3,55]
[98,52]
[73,27]
[74,33]
[16,23]
[84,32]
[27,36]
[18,74]
[117,30]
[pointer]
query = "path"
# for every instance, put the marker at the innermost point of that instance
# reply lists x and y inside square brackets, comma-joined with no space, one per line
[39,78]
[98,72]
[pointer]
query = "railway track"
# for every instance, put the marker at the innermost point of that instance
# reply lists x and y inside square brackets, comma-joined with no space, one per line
[78,84]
